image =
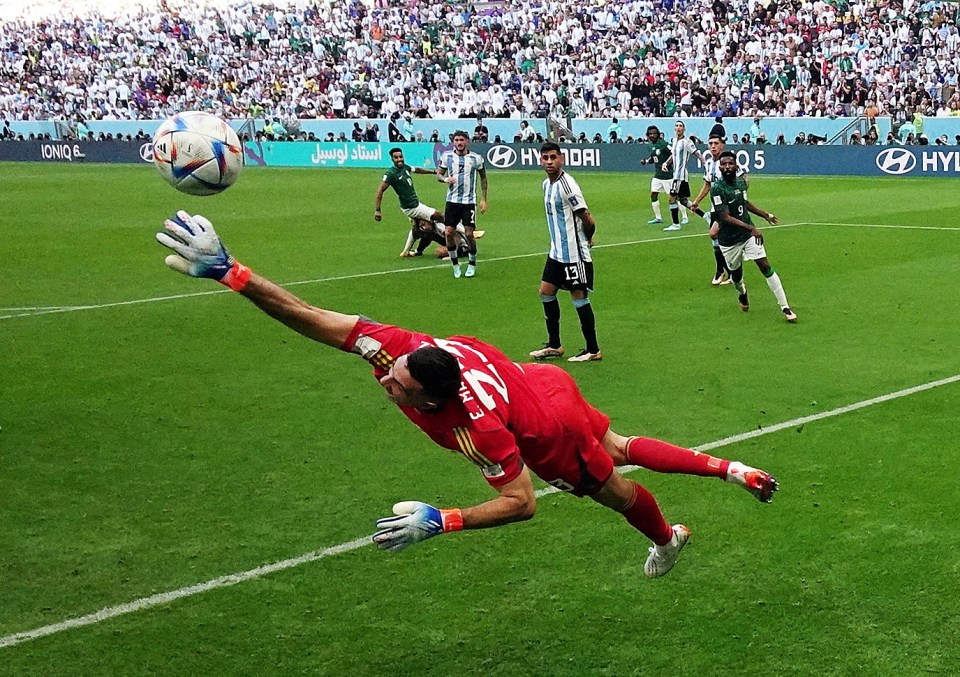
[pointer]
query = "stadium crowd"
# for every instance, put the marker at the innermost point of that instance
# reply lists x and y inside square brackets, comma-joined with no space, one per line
[516,59]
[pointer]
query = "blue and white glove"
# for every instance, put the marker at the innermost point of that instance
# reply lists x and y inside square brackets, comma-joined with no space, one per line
[415,522]
[199,251]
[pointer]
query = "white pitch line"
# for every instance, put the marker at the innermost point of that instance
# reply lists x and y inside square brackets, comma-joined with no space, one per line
[882,225]
[318,280]
[232,579]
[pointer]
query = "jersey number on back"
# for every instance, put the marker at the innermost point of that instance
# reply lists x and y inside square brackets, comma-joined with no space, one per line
[483,382]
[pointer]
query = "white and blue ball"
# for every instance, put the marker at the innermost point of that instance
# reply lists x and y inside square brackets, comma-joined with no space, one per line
[197,153]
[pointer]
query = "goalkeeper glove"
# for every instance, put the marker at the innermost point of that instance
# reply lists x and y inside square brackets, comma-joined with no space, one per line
[415,522]
[199,251]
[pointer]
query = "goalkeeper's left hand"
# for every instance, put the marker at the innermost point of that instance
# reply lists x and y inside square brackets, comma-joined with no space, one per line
[199,251]
[415,522]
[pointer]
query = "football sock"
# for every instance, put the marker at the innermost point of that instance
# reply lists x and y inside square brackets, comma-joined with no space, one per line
[409,242]
[661,456]
[697,210]
[683,211]
[675,212]
[472,258]
[655,205]
[587,323]
[721,262]
[737,277]
[773,281]
[644,515]
[551,313]
[454,254]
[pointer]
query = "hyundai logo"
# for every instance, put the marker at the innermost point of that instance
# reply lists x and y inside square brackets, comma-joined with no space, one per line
[146,152]
[896,161]
[502,157]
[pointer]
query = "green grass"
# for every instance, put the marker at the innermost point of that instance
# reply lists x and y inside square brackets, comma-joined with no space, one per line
[148,445]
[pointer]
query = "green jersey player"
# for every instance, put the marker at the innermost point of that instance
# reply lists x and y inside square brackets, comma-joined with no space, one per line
[662,178]
[400,178]
[738,238]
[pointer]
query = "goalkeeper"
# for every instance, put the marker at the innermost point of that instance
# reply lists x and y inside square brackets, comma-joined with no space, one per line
[467,396]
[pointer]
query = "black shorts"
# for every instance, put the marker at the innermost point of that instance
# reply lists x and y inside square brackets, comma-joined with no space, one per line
[681,189]
[455,213]
[568,276]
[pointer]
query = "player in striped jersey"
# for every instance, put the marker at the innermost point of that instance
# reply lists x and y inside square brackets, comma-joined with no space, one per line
[508,419]
[459,169]
[569,263]
[711,175]
[681,148]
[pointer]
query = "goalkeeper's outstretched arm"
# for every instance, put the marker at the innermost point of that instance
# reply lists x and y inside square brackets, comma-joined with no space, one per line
[326,326]
[198,252]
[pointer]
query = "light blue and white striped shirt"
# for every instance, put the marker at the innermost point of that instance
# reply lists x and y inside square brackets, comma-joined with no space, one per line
[563,197]
[680,151]
[464,168]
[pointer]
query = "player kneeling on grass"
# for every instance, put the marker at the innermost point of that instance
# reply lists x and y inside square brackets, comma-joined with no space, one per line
[739,240]
[424,232]
[508,419]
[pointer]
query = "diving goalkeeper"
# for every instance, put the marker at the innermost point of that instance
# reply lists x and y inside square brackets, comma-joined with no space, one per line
[506,418]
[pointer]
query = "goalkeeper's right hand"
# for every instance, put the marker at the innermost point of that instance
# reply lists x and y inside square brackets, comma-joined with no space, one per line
[199,251]
[415,522]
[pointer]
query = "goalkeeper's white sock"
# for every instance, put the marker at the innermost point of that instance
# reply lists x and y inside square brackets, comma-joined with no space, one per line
[777,288]
[656,209]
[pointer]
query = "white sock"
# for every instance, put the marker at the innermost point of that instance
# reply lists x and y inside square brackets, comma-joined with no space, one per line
[406,247]
[735,472]
[777,288]
[656,210]
[683,212]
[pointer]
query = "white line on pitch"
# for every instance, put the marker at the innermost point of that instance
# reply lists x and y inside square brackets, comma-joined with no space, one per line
[173,297]
[232,579]
[354,276]
[882,225]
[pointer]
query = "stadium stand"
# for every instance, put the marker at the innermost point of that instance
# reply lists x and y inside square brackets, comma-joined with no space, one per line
[513,59]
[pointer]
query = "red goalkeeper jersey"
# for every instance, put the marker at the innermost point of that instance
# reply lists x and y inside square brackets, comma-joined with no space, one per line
[506,413]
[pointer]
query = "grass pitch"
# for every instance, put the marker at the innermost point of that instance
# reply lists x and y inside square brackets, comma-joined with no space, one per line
[158,434]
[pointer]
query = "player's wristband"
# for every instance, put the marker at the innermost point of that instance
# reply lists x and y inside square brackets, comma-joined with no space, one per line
[452,519]
[237,277]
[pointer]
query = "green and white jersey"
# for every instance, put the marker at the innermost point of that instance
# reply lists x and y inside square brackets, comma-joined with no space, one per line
[401,180]
[733,199]
[658,155]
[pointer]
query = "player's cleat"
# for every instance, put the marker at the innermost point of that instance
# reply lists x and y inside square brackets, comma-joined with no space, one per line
[653,221]
[457,272]
[477,234]
[471,270]
[743,301]
[759,483]
[685,220]
[720,279]
[663,557]
[546,353]
[672,226]
[584,356]
[405,255]
[789,315]
[416,253]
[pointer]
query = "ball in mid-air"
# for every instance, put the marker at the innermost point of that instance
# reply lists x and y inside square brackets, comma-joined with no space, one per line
[197,153]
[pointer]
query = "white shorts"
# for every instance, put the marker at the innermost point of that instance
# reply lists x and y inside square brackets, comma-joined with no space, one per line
[421,211]
[660,185]
[745,251]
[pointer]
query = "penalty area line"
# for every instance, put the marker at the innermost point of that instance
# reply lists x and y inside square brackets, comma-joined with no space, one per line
[233,579]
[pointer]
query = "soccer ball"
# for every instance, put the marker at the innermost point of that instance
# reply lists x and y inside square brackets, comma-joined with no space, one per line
[197,153]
